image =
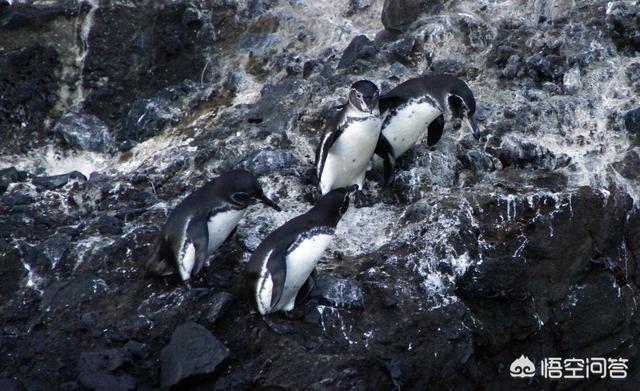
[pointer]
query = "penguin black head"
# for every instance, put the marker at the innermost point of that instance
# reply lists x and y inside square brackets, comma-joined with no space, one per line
[243,189]
[462,104]
[364,96]
[336,202]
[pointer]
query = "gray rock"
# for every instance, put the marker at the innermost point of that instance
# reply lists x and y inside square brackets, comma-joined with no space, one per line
[632,121]
[399,14]
[572,81]
[97,370]
[338,292]
[84,132]
[360,47]
[220,302]
[56,181]
[193,353]
[360,4]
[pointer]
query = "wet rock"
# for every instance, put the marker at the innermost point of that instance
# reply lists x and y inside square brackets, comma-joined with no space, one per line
[220,302]
[84,132]
[623,23]
[398,15]
[137,349]
[632,121]
[267,161]
[12,175]
[140,67]
[360,47]
[148,117]
[109,225]
[8,385]
[404,50]
[633,76]
[29,81]
[360,4]
[98,370]
[12,271]
[193,354]
[571,80]
[57,181]
[338,292]
[448,67]
[524,153]
[62,295]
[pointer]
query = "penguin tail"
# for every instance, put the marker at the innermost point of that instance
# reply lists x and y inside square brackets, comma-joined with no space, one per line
[157,264]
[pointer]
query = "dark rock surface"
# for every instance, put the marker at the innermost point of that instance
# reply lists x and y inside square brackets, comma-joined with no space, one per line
[192,354]
[523,243]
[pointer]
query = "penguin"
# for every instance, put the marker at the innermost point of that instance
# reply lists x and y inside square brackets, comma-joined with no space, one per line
[285,259]
[415,107]
[202,221]
[343,156]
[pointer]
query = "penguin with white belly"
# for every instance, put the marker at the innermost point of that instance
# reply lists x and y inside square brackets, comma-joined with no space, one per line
[343,156]
[416,107]
[202,221]
[285,259]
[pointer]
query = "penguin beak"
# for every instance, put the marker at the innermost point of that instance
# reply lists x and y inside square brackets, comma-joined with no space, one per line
[265,200]
[473,127]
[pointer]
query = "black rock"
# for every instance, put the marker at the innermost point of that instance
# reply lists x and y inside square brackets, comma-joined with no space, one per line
[96,370]
[28,82]
[136,348]
[12,175]
[269,161]
[403,50]
[448,67]
[193,354]
[399,14]
[220,302]
[8,385]
[57,181]
[360,47]
[109,225]
[360,4]
[623,23]
[147,117]
[83,131]
[338,292]
[632,121]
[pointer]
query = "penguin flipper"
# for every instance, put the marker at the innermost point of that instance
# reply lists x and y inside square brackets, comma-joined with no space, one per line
[435,130]
[385,150]
[198,235]
[158,263]
[328,140]
[277,267]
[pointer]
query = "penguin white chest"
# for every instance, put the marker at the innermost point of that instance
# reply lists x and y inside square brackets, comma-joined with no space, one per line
[350,154]
[220,226]
[300,263]
[409,124]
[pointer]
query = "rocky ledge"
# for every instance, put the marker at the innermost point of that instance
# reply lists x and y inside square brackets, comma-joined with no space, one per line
[522,244]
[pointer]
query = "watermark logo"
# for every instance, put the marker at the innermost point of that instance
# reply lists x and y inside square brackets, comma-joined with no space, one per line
[522,367]
[571,368]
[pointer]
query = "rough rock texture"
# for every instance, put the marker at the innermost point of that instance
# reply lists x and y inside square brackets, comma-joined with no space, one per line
[525,242]
[192,354]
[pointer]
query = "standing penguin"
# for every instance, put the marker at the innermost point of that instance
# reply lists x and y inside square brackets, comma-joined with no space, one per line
[418,106]
[347,146]
[202,221]
[285,259]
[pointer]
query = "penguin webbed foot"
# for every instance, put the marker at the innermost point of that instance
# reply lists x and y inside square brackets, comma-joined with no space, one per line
[279,328]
